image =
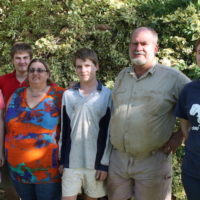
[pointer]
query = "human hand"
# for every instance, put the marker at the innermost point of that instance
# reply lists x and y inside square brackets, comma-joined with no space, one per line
[61,167]
[101,175]
[173,143]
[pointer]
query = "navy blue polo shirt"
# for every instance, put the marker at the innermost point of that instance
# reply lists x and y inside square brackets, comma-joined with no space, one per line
[188,107]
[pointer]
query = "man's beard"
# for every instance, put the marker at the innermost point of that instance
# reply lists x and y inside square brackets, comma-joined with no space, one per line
[138,61]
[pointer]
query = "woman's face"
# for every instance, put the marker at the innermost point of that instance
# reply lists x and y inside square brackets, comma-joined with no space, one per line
[37,73]
[198,55]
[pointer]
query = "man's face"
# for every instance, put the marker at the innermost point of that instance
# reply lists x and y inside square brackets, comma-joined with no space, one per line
[86,70]
[143,48]
[21,61]
[198,55]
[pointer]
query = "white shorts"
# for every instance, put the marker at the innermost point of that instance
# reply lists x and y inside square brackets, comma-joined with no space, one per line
[74,180]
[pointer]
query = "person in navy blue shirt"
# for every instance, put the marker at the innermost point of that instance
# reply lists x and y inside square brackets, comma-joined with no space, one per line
[188,110]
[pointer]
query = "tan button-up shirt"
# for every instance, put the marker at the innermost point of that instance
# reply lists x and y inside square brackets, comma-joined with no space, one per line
[143,118]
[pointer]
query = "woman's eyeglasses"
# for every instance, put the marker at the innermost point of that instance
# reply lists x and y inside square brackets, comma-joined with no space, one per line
[38,70]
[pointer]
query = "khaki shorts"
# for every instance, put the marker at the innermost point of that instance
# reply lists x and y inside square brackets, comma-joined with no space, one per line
[74,180]
[143,178]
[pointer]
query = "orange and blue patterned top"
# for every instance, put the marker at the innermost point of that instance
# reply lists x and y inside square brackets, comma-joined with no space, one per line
[32,135]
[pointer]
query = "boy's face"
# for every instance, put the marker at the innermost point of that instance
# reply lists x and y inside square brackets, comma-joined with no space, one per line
[86,70]
[21,61]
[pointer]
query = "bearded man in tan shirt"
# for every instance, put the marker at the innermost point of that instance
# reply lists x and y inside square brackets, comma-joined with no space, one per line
[141,126]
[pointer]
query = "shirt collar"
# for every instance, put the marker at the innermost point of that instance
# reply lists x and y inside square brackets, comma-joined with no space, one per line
[99,86]
[13,73]
[150,71]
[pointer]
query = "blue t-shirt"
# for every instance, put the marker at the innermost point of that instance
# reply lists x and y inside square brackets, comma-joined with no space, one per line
[188,107]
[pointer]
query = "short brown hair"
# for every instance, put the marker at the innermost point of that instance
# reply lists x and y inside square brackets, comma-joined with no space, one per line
[86,53]
[21,47]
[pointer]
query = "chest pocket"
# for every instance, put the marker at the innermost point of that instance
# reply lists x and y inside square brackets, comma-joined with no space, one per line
[121,93]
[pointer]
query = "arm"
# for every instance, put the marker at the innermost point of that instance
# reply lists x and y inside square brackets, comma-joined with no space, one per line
[1,138]
[65,136]
[1,130]
[103,143]
[185,126]
[63,139]
[101,175]
[173,143]
[102,167]
[177,138]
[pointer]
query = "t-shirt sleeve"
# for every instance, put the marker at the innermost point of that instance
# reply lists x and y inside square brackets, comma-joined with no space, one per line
[181,81]
[180,110]
[1,82]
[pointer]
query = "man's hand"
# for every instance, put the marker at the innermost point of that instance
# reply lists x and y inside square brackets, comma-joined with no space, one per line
[101,175]
[173,143]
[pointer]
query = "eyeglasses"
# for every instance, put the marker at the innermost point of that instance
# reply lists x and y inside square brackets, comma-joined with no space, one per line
[38,70]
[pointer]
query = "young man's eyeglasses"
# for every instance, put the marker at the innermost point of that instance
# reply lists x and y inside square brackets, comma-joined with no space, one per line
[38,70]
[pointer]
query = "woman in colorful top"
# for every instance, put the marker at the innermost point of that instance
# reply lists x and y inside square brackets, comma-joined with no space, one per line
[32,125]
[188,110]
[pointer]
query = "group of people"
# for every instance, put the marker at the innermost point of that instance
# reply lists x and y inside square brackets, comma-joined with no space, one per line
[60,142]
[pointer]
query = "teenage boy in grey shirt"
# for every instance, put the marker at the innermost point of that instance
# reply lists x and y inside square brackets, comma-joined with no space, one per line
[84,141]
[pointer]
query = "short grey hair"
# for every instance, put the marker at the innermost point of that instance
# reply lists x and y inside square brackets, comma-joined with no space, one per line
[154,33]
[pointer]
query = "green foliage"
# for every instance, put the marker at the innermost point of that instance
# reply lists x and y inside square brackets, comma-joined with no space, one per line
[57,28]
[177,184]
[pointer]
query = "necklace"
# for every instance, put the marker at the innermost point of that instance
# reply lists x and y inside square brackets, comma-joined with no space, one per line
[38,94]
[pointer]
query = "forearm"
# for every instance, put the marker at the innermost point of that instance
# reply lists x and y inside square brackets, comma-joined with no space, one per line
[173,143]
[1,130]
[65,136]
[1,138]
[104,132]
[185,127]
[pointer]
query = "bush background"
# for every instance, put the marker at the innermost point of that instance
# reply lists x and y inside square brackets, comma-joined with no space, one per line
[57,28]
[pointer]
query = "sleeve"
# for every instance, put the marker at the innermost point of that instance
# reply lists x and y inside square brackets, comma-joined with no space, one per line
[103,144]
[65,140]
[57,96]
[1,82]
[180,109]
[181,81]
[118,80]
